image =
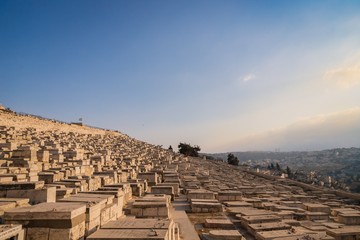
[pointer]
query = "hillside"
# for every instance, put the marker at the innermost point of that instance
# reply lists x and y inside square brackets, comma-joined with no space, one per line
[342,165]
[22,121]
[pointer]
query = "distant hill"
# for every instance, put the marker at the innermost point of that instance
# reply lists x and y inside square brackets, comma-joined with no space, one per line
[24,120]
[256,155]
[341,165]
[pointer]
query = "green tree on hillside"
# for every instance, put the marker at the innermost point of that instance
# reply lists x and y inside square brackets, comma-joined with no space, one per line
[188,150]
[288,171]
[278,167]
[231,159]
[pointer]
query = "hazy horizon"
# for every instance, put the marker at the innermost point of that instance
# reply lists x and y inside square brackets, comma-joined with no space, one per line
[225,75]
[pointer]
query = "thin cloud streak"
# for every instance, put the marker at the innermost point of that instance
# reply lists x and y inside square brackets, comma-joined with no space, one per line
[317,132]
[248,78]
[344,77]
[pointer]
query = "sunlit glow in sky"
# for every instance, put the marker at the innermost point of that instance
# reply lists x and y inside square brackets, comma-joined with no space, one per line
[224,75]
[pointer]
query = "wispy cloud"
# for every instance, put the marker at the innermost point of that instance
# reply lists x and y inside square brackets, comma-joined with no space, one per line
[345,76]
[248,77]
[336,129]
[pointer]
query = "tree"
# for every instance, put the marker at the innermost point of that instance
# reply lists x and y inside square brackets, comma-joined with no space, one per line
[188,150]
[288,171]
[170,148]
[278,167]
[231,159]
[271,166]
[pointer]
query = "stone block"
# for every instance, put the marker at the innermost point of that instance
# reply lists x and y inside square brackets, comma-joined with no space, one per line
[345,233]
[200,194]
[107,214]
[74,233]
[34,195]
[167,190]
[94,206]
[48,211]
[37,233]
[225,235]
[150,209]
[40,220]
[219,223]
[21,185]
[313,207]
[12,231]
[313,216]
[229,196]
[349,218]
[206,207]
[175,186]
[270,226]
[130,234]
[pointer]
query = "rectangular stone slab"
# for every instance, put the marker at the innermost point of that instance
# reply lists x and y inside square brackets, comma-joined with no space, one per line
[127,234]
[155,198]
[346,231]
[21,185]
[219,223]
[257,227]
[91,199]
[225,235]
[205,200]
[202,194]
[93,207]
[278,234]
[259,218]
[315,207]
[206,204]
[34,195]
[8,231]
[46,211]
[4,206]
[130,223]
[238,204]
[149,204]
[349,218]
[248,211]
[110,195]
[230,193]
[18,201]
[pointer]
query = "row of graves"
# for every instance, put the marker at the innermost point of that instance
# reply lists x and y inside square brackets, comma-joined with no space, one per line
[228,203]
[58,185]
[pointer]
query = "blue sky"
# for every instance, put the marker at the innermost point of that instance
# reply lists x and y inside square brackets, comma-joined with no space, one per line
[225,75]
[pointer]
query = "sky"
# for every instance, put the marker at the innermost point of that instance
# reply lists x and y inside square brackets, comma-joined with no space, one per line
[224,75]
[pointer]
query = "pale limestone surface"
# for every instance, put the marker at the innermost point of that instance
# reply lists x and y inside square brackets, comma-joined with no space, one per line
[129,223]
[11,231]
[23,122]
[126,234]
[44,211]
